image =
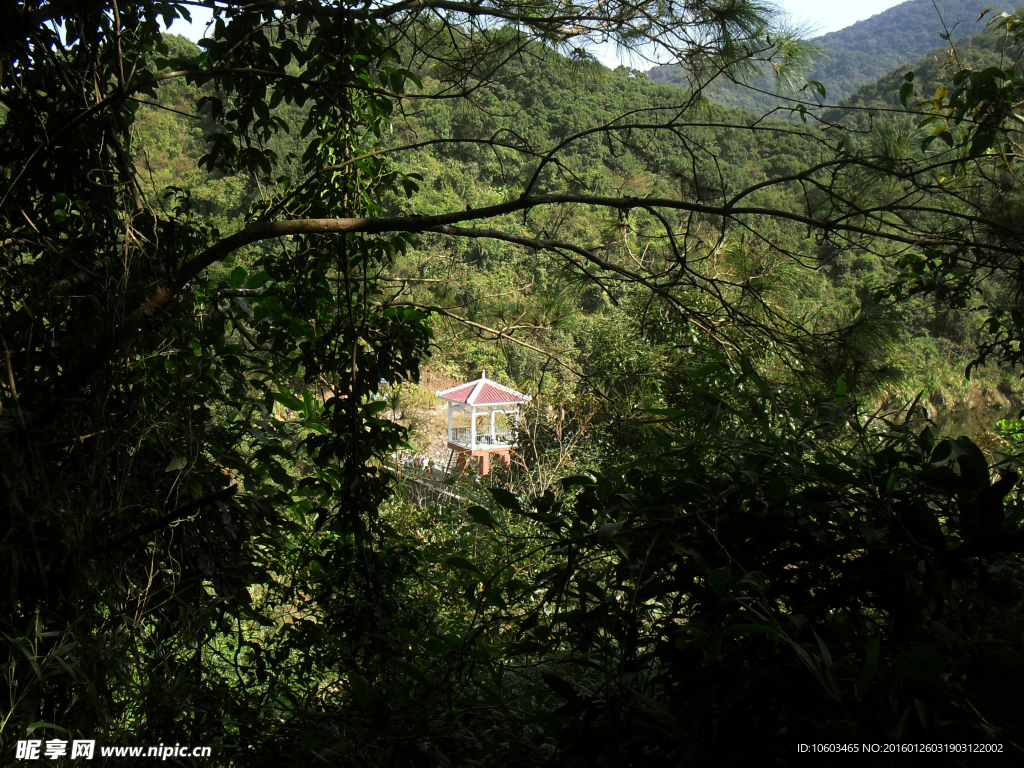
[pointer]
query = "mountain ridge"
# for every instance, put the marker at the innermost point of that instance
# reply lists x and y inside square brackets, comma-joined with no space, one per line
[858,54]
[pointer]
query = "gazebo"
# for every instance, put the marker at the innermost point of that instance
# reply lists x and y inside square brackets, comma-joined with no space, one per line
[467,403]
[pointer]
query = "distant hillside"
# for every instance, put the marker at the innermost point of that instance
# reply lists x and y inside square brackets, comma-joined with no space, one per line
[977,51]
[863,52]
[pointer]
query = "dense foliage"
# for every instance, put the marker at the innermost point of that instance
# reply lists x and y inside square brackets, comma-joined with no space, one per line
[783,580]
[225,269]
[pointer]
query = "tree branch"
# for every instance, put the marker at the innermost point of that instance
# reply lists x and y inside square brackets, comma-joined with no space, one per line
[73,380]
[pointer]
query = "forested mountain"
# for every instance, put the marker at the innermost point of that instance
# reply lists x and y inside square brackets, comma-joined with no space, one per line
[933,70]
[234,274]
[546,99]
[861,53]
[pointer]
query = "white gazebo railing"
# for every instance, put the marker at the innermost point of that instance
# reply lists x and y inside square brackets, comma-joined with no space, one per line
[463,436]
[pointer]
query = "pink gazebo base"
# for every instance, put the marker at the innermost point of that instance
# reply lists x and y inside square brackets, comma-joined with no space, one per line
[485,455]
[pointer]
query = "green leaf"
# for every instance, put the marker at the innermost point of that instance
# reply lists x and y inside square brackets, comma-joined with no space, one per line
[42,724]
[586,586]
[238,275]
[506,500]
[279,474]
[411,670]
[482,516]
[834,474]
[559,686]
[288,400]
[178,462]
[455,561]
[707,370]
[757,579]
[718,578]
[906,91]
[943,450]
[575,481]
[363,691]
[372,409]
[972,462]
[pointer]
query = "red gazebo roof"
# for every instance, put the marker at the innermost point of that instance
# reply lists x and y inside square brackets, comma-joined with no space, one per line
[483,391]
